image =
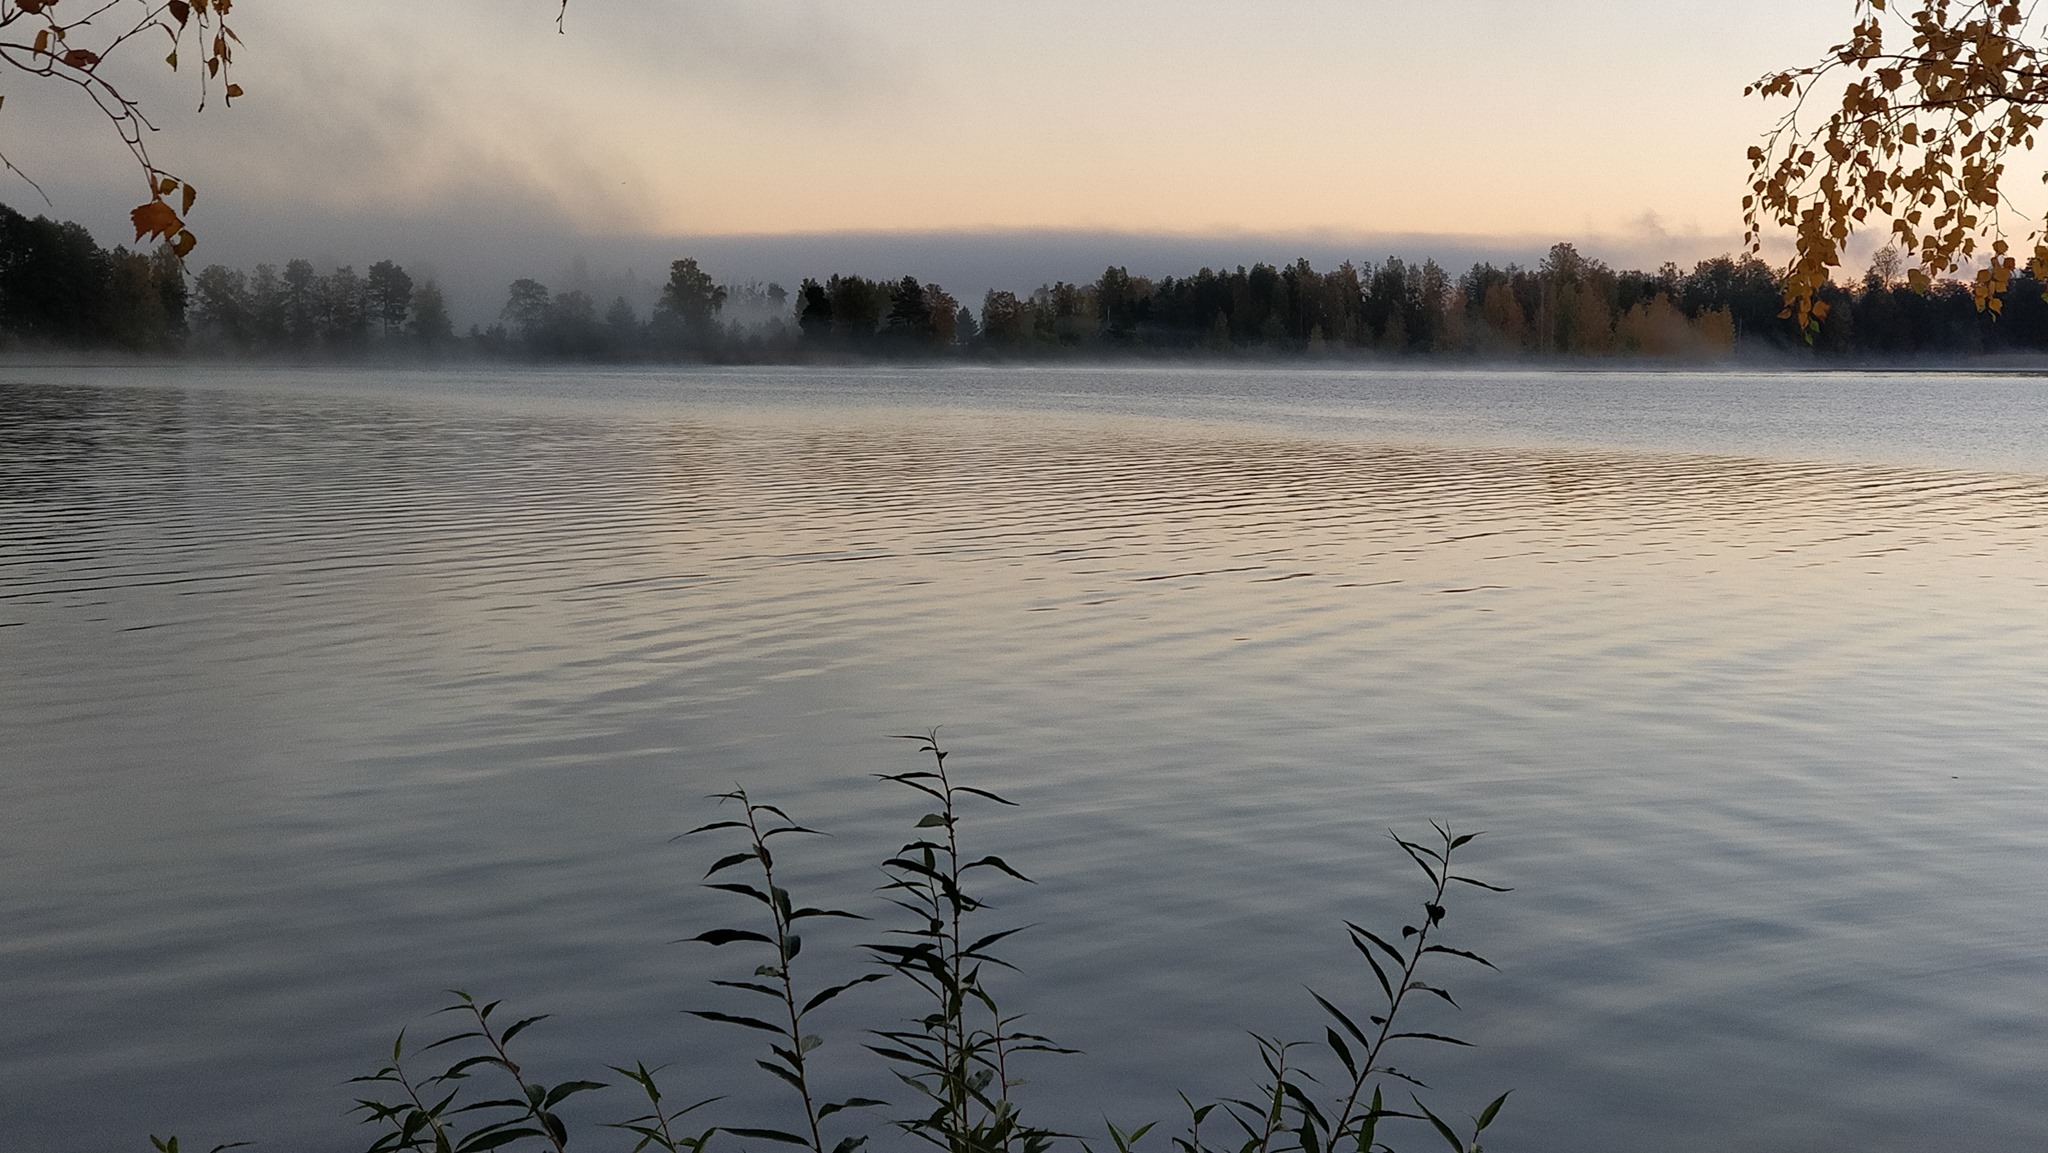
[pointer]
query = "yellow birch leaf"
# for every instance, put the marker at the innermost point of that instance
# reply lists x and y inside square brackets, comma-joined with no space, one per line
[155,219]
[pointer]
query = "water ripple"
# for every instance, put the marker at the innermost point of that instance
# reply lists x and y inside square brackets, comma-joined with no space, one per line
[324,698]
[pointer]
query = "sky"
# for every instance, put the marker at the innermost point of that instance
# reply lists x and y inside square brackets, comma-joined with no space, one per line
[975,144]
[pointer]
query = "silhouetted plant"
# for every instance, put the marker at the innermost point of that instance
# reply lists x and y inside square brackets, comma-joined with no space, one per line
[656,1126]
[959,1054]
[170,1145]
[792,1043]
[419,1120]
[1353,1122]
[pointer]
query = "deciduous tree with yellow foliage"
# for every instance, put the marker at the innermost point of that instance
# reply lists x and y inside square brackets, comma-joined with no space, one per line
[1931,100]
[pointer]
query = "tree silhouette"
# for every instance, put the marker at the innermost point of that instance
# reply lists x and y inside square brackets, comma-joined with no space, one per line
[389,296]
[814,319]
[526,307]
[690,303]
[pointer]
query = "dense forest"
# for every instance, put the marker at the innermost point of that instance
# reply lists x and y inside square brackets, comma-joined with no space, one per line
[60,290]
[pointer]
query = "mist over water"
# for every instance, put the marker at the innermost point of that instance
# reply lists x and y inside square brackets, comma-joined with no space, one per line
[328,691]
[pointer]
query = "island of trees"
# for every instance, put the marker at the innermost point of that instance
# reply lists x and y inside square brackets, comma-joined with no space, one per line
[59,290]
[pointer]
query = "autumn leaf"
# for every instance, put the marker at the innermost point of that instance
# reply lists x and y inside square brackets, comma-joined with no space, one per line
[155,219]
[1922,139]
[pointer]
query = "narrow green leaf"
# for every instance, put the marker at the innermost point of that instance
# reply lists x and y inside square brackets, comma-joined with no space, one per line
[731,1019]
[921,787]
[1460,953]
[1420,848]
[728,936]
[517,1026]
[1303,1102]
[716,825]
[1448,1133]
[1366,950]
[768,1135]
[800,914]
[1419,987]
[995,862]
[727,862]
[479,1142]
[1349,1026]
[1376,939]
[467,1063]
[1486,1118]
[824,995]
[1342,1050]
[568,1089]
[850,1103]
[505,1103]
[795,1081]
[991,939]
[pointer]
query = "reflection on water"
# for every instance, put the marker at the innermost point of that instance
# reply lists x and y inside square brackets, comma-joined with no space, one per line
[320,701]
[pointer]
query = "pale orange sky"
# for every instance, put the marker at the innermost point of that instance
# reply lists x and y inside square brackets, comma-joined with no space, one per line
[1615,124]
[1451,116]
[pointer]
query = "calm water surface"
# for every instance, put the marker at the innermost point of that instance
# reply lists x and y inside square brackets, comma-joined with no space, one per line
[324,692]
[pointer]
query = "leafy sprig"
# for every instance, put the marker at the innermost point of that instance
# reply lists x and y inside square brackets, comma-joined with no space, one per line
[792,1043]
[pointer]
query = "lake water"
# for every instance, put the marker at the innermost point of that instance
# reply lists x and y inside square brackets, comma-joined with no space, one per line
[327,691]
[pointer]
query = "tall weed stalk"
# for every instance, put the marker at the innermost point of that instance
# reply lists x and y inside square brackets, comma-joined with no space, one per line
[958,1056]
[1361,1051]
[791,1043]
[417,1115]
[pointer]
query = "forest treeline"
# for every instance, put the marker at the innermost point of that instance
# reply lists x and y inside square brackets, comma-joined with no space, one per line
[60,290]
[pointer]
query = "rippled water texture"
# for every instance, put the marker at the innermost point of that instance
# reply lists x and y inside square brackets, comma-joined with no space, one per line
[326,692]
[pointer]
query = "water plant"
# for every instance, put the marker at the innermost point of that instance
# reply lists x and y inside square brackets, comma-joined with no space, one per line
[415,1118]
[788,1060]
[955,1048]
[959,1054]
[1353,1121]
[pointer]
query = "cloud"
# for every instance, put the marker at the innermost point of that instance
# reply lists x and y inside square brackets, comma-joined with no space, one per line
[1046,139]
